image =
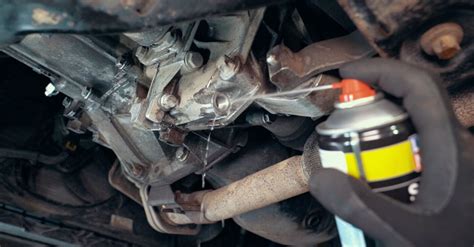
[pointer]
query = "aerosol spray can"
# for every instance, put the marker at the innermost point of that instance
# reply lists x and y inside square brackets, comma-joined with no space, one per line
[372,139]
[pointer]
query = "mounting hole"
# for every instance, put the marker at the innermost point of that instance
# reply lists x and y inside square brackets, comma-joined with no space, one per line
[221,103]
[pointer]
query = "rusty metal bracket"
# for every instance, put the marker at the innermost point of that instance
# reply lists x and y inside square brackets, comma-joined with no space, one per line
[120,183]
[157,222]
[288,69]
[395,28]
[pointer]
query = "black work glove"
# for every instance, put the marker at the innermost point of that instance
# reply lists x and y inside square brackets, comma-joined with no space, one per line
[443,213]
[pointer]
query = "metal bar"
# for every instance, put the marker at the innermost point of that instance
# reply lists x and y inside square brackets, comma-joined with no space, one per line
[276,183]
[288,69]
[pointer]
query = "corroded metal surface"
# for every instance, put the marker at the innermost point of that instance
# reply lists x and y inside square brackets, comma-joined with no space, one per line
[386,23]
[394,29]
[276,183]
[288,69]
[120,183]
[442,40]
[161,224]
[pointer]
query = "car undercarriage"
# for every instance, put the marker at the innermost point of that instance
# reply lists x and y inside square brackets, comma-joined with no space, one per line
[177,123]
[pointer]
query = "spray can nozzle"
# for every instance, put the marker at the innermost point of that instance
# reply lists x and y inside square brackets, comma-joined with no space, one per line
[353,89]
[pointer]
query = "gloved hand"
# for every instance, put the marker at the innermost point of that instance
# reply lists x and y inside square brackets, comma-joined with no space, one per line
[443,213]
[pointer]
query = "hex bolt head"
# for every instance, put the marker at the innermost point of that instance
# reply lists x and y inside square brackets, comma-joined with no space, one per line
[446,47]
[443,40]
[229,67]
[271,60]
[276,55]
[193,60]
[168,101]
[182,154]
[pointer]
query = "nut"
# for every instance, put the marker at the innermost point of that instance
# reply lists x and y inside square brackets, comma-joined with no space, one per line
[182,154]
[193,60]
[442,40]
[272,60]
[229,67]
[168,101]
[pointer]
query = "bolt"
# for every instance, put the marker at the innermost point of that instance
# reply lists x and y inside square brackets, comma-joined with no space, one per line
[193,60]
[86,92]
[67,102]
[442,40]
[229,67]
[221,103]
[168,101]
[446,47]
[121,63]
[50,90]
[137,170]
[271,60]
[182,154]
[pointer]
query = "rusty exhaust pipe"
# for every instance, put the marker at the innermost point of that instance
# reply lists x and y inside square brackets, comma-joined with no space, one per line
[276,183]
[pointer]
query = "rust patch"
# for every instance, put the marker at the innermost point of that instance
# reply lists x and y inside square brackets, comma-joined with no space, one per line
[44,17]
[289,69]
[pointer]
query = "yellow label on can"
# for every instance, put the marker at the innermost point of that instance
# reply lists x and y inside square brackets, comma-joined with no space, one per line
[383,163]
[379,164]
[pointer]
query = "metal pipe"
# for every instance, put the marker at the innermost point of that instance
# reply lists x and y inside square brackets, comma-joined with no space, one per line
[276,183]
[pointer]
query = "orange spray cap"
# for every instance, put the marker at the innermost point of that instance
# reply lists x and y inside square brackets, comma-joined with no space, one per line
[353,89]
